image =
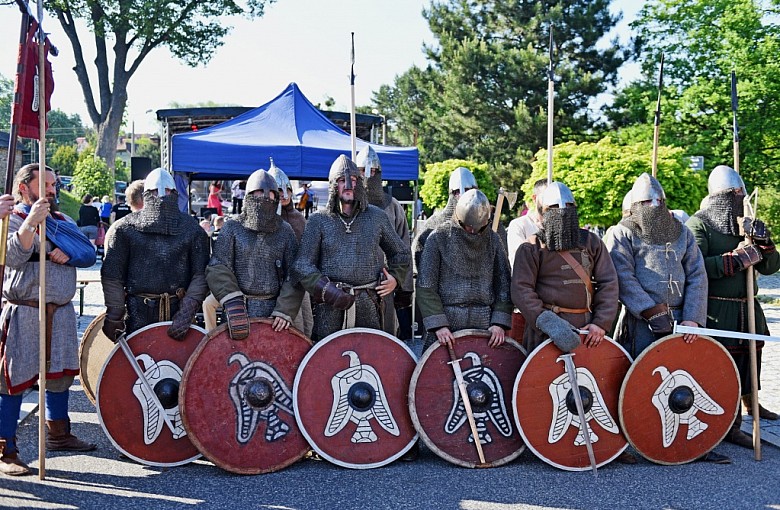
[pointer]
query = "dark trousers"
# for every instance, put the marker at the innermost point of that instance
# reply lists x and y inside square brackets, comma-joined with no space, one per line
[237,204]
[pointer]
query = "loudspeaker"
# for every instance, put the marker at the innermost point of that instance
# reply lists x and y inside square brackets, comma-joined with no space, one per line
[140,167]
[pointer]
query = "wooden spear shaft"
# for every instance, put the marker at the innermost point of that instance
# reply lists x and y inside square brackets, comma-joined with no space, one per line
[750,290]
[657,126]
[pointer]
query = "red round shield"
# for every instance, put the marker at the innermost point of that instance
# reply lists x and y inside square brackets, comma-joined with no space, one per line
[678,400]
[544,405]
[127,412]
[350,398]
[518,327]
[94,350]
[236,398]
[437,408]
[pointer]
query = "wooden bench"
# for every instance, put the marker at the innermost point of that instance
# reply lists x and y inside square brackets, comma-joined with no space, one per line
[81,284]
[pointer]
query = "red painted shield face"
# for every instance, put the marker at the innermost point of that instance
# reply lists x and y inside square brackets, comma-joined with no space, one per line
[126,409]
[545,407]
[679,400]
[438,409]
[350,398]
[246,387]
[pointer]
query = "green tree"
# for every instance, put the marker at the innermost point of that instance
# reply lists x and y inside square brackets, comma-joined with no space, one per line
[121,171]
[92,176]
[191,30]
[144,147]
[64,159]
[63,129]
[484,94]
[436,179]
[6,100]
[702,42]
[600,174]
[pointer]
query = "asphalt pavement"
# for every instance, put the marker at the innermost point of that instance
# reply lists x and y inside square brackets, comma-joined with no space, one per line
[105,480]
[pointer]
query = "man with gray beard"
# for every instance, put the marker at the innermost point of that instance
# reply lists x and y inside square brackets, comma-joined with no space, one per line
[563,278]
[660,270]
[249,272]
[370,169]
[135,289]
[341,261]
[463,279]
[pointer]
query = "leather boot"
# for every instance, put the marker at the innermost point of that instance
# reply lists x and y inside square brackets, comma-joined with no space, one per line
[736,436]
[59,438]
[764,414]
[10,463]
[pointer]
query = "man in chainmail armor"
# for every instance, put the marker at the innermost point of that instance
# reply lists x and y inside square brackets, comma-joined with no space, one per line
[136,290]
[370,169]
[463,280]
[563,278]
[660,270]
[341,261]
[249,271]
[461,180]
[719,229]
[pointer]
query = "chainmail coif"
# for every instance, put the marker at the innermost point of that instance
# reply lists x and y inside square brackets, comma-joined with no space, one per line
[159,215]
[359,192]
[560,229]
[722,211]
[376,195]
[653,225]
[259,214]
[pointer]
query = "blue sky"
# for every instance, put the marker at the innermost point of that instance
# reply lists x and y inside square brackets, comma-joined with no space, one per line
[260,57]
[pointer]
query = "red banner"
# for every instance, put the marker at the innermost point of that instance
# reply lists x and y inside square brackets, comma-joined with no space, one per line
[26,93]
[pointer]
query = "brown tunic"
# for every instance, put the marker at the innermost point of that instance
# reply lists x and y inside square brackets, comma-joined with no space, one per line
[541,276]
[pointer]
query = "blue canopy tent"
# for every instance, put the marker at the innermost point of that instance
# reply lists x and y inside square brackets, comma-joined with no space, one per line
[289,129]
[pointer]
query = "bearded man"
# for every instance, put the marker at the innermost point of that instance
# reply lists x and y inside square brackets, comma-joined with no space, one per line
[136,290]
[463,279]
[341,261]
[19,341]
[719,229]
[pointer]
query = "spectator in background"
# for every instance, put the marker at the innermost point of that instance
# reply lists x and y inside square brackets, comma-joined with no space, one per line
[306,202]
[57,186]
[135,195]
[105,209]
[89,217]
[238,188]
[215,198]
[120,209]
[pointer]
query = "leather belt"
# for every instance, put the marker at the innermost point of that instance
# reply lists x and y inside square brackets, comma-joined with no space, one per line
[50,309]
[561,309]
[164,309]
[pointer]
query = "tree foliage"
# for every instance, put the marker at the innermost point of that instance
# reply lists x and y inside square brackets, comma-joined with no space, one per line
[63,129]
[191,30]
[483,95]
[92,176]
[600,174]
[6,100]
[64,159]
[436,180]
[702,42]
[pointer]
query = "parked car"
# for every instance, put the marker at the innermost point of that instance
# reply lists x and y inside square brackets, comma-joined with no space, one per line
[67,182]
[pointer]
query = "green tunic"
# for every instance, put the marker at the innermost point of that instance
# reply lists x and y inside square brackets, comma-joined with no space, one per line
[729,314]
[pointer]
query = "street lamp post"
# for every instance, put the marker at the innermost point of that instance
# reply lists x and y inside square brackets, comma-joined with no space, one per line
[384,125]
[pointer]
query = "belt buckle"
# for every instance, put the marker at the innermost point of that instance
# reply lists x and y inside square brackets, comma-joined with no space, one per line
[345,287]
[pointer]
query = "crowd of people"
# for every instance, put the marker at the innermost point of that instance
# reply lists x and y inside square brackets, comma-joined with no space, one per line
[352,263]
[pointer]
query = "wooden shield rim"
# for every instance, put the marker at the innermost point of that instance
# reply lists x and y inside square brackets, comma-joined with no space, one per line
[140,460]
[522,432]
[642,355]
[305,432]
[86,385]
[183,398]
[416,420]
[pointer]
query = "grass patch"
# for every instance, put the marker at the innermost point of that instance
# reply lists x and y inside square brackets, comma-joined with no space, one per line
[768,300]
[69,204]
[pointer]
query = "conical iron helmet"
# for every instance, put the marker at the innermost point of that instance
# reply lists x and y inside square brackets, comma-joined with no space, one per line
[160,180]
[557,194]
[724,178]
[647,188]
[367,158]
[282,181]
[462,180]
[263,181]
[343,167]
[473,210]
